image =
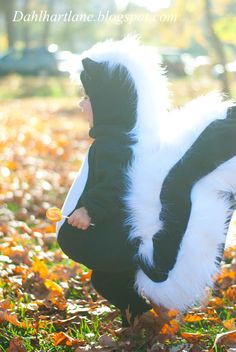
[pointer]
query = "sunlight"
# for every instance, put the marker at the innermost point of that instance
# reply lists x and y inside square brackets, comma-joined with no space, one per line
[151,5]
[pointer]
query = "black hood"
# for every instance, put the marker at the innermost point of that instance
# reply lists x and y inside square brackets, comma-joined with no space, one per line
[112,94]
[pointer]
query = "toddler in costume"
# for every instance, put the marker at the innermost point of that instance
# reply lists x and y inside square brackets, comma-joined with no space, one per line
[111,107]
[149,209]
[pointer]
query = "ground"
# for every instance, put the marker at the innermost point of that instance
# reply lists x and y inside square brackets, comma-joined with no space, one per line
[46,300]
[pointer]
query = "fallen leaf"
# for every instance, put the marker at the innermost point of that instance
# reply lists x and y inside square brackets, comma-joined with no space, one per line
[106,341]
[61,338]
[40,267]
[16,345]
[193,337]
[170,329]
[86,276]
[193,318]
[227,339]
[230,293]
[53,286]
[229,324]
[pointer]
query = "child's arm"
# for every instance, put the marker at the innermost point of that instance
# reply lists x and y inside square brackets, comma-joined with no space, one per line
[102,199]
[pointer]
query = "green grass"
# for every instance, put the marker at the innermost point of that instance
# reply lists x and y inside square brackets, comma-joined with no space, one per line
[16,86]
[182,89]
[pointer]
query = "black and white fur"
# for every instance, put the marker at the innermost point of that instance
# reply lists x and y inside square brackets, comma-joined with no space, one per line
[163,137]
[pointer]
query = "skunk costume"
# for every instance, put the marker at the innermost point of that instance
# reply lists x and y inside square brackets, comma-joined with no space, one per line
[158,184]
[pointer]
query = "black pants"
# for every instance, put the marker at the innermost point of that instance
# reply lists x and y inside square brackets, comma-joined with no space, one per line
[118,289]
[114,280]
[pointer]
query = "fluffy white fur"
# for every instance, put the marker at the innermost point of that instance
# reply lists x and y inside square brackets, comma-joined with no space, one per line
[206,230]
[163,138]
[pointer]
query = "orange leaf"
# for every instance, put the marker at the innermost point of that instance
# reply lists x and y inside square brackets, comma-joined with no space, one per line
[229,324]
[173,313]
[40,267]
[193,318]
[16,345]
[59,300]
[193,337]
[170,329]
[231,293]
[62,338]
[6,304]
[50,228]
[11,318]
[86,276]
[216,302]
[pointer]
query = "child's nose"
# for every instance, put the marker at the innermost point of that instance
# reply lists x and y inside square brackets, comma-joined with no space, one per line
[81,105]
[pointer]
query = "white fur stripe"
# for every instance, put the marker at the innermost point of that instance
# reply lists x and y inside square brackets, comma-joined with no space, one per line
[195,265]
[75,192]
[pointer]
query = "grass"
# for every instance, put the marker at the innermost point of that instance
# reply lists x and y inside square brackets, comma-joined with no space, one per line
[15,87]
[182,89]
[41,177]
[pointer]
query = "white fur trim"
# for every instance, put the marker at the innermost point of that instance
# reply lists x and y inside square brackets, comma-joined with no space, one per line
[75,192]
[143,66]
[195,265]
[179,131]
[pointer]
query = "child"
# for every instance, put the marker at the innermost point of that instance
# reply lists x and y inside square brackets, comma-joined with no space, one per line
[137,181]
[110,106]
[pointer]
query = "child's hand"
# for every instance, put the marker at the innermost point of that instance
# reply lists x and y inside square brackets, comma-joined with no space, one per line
[80,218]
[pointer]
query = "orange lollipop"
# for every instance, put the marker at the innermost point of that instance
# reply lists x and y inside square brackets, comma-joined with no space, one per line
[54,214]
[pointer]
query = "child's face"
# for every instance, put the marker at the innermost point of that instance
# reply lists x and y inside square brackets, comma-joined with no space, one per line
[86,108]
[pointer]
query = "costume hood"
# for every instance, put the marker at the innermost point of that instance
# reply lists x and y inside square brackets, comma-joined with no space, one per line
[122,79]
[138,104]
[112,95]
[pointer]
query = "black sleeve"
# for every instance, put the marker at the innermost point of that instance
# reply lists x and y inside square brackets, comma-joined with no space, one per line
[215,145]
[102,199]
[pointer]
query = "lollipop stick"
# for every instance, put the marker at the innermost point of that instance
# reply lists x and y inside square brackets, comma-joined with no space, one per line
[67,217]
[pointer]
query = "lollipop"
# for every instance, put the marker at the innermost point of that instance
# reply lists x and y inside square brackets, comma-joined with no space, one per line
[54,214]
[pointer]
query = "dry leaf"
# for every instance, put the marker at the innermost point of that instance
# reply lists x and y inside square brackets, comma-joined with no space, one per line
[16,345]
[61,338]
[193,337]
[227,339]
[40,267]
[229,324]
[193,318]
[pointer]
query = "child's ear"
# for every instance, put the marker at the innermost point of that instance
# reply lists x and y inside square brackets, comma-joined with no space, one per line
[91,67]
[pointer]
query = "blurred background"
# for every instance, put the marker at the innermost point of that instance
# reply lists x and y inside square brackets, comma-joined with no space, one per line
[40,42]
[43,136]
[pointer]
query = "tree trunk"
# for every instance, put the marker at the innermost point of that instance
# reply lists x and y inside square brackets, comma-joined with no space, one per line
[218,47]
[7,8]
[26,26]
[47,24]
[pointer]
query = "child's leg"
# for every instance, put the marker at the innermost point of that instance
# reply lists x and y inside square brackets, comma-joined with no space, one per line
[97,248]
[118,289]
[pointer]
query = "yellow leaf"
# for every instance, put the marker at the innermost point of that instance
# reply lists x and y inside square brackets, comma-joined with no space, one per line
[53,286]
[40,267]
[229,324]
